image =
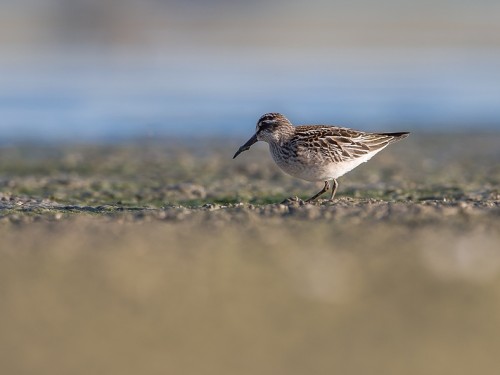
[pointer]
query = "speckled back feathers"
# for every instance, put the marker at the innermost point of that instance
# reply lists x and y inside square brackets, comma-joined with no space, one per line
[330,142]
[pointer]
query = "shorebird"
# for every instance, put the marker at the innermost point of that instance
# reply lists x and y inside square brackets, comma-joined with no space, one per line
[317,152]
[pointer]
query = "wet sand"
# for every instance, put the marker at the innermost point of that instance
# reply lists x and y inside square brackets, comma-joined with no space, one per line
[422,179]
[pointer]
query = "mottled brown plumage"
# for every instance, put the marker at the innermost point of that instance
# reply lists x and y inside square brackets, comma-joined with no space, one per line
[317,152]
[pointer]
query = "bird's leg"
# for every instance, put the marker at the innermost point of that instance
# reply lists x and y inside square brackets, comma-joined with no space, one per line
[334,188]
[325,188]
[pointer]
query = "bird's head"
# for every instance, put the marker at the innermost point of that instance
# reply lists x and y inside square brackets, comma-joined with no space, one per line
[270,128]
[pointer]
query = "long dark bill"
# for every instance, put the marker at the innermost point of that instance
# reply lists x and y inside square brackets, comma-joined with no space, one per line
[247,145]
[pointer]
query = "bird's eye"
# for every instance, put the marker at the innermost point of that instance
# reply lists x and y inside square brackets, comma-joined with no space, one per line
[265,125]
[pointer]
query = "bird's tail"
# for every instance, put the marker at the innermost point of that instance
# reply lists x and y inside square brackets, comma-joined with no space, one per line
[396,136]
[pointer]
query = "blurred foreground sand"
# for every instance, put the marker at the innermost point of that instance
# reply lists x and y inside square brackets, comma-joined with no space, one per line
[88,296]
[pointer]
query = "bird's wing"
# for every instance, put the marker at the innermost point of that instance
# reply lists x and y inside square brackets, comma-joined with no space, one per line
[340,144]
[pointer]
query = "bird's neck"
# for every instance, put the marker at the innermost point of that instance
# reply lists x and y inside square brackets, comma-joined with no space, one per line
[284,135]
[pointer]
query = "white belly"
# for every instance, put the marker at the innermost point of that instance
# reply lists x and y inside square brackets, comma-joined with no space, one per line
[314,170]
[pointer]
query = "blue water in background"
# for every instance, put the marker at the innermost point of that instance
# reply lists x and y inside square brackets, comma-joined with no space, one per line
[75,96]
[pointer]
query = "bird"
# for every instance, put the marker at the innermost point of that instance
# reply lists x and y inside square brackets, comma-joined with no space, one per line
[317,152]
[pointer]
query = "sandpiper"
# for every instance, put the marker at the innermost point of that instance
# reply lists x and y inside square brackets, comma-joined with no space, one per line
[317,152]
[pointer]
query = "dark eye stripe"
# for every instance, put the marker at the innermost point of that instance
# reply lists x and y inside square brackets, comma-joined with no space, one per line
[265,125]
